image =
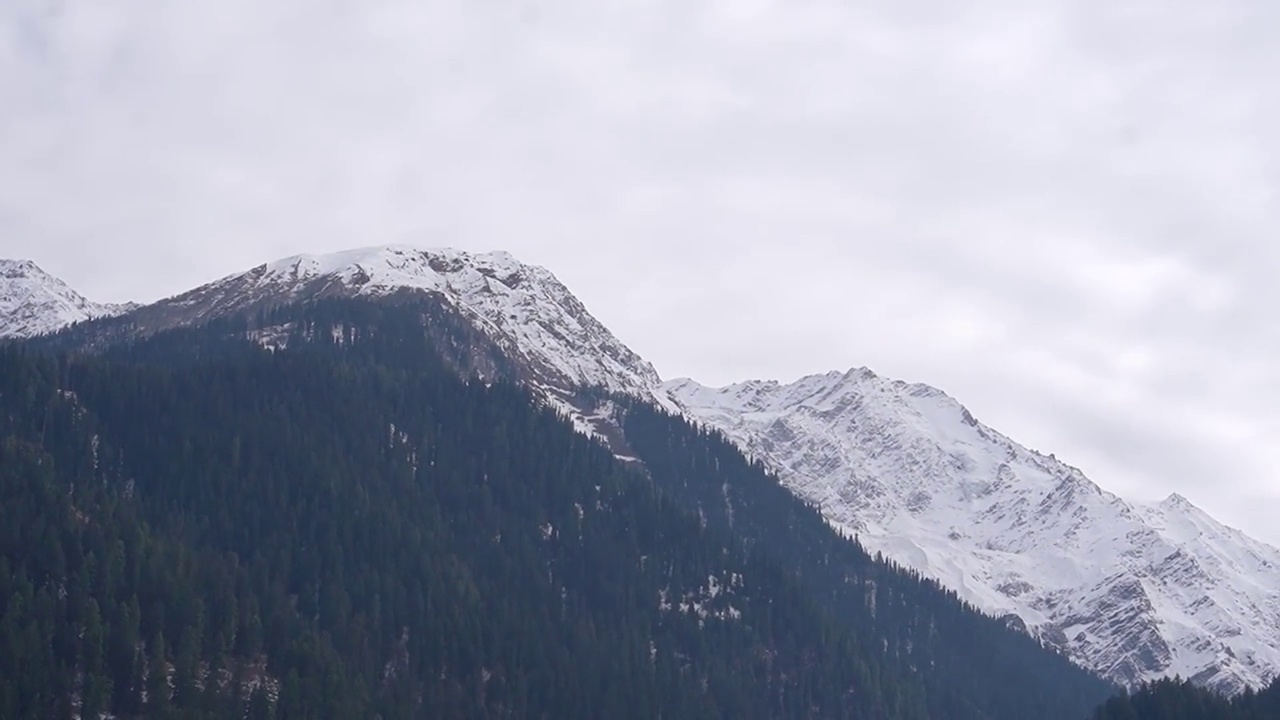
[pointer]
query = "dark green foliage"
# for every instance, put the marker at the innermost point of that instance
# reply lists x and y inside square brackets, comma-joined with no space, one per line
[1180,700]
[970,665]
[193,527]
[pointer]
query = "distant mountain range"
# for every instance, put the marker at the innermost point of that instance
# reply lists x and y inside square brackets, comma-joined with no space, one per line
[1134,592]
[33,302]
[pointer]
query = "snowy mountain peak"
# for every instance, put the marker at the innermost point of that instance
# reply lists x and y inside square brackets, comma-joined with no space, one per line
[15,268]
[33,302]
[523,308]
[1135,592]
[393,267]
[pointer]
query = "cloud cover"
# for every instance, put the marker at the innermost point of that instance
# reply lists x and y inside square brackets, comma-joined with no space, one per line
[1062,213]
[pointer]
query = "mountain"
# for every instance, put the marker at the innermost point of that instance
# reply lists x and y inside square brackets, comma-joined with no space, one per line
[517,321]
[523,308]
[1135,592]
[338,523]
[33,302]
[353,531]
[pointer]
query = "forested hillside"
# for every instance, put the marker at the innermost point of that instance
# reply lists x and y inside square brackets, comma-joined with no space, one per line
[195,527]
[1178,700]
[972,665]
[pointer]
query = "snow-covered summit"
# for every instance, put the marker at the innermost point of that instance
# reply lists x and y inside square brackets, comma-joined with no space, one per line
[33,302]
[393,267]
[1135,592]
[524,308]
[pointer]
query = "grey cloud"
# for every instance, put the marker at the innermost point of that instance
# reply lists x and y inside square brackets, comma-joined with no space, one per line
[1060,212]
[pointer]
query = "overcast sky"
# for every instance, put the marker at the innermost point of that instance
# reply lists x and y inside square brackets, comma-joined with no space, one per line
[1062,212]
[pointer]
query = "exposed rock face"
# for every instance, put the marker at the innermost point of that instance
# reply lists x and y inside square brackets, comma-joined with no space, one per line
[1134,592]
[33,302]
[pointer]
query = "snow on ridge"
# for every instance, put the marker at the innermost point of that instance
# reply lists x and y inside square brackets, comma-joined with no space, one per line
[524,308]
[390,267]
[33,302]
[1011,530]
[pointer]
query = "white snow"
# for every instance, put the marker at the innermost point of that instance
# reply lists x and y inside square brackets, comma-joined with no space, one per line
[702,601]
[524,308]
[1136,592]
[33,302]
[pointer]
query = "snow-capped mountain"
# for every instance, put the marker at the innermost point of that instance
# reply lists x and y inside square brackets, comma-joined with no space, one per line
[1134,592]
[523,308]
[33,302]
[520,312]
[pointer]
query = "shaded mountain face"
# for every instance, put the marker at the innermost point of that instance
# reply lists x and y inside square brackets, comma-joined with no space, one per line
[1135,592]
[33,302]
[350,528]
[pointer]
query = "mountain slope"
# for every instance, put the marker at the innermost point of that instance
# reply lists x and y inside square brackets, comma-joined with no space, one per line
[1134,592]
[523,323]
[373,534]
[1167,699]
[1014,532]
[529,313]
[33,302]
[970,664]
[379,537]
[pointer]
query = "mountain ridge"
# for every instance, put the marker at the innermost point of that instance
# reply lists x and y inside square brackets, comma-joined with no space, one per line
[1014,531]
[388,538]
[825,440]
[522,310]
[33,302]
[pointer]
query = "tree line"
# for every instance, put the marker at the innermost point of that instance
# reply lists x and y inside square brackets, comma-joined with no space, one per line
[193,526]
